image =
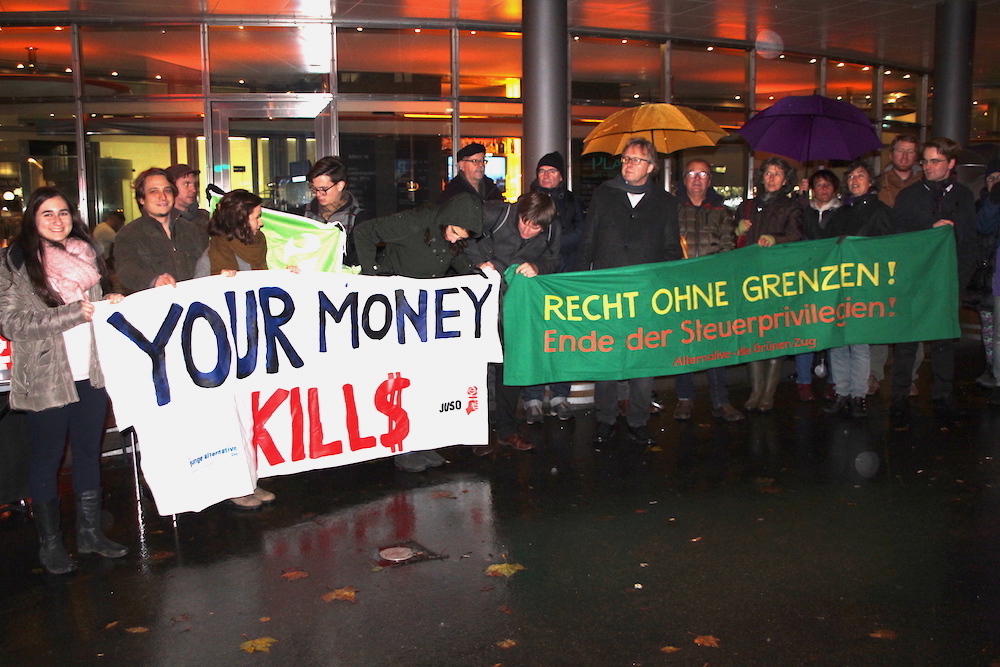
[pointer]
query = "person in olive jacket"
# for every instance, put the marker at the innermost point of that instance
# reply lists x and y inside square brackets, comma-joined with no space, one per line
[425,242]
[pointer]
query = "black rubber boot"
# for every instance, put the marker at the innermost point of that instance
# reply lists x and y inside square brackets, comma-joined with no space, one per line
[52,552]
[89,536]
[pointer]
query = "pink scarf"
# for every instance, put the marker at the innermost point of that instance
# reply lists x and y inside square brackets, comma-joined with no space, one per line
[71,269]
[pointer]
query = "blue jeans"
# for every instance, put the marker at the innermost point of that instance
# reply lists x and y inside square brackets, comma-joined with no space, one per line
[537,392]
[803,368]
[717,390]
[606,401]
[851,365]
[82,423]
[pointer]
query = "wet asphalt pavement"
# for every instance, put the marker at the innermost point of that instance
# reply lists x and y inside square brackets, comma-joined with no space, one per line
[790,538]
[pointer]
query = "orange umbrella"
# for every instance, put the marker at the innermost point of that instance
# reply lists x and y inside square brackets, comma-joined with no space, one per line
[670,127]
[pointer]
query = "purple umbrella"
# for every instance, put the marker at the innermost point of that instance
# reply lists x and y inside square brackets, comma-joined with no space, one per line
[812,127]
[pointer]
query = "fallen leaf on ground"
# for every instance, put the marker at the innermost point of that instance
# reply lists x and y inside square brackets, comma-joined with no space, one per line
[486,589]
[293,573]
[707,640]
[110,625]
[265,619]
[503,569]
[641,511]
[505,609]
[669,649]
[696,539]
[443,494]
[883,634]
[507,643]
[161,555]
[137,630]
[348,593]
[259,644]
[179,619]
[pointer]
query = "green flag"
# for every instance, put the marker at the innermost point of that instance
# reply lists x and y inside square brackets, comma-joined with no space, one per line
[749,304]
[293,240]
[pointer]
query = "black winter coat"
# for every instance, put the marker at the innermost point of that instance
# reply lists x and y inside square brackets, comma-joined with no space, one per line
[615,234]
[864,216]
[502,244]
[488,190]
[780,216]
[916,209]
[569,217]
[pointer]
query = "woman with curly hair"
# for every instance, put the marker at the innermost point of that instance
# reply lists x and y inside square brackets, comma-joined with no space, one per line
[237,244]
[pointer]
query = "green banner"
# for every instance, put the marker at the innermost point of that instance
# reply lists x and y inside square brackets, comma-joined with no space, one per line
[752,303]
[293,240]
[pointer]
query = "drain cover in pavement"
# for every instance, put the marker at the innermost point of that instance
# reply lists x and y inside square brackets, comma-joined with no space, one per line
[404,553]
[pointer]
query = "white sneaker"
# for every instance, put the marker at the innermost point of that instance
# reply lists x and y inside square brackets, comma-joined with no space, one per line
[433,458]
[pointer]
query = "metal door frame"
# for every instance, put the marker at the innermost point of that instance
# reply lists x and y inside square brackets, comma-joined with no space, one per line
[320,107]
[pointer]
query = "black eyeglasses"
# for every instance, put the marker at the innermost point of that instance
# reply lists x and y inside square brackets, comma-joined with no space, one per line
[322,191]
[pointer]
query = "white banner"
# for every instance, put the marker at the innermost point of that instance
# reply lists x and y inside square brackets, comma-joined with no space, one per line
[271,373]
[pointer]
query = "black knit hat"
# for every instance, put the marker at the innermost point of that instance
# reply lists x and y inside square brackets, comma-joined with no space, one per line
[470,150]
[555,160]
[992,167]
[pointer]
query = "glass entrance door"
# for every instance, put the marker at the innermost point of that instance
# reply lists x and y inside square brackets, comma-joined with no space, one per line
[267,146]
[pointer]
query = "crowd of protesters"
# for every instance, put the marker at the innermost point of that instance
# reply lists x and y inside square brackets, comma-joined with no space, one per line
[56,268]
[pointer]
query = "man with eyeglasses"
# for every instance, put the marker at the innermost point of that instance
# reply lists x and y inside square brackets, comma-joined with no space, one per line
[333,203]
[937,200]
[160,247]
[632,220]
[707,227]
[471,176]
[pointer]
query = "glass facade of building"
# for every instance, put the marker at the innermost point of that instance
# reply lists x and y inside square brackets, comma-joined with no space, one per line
[86,106]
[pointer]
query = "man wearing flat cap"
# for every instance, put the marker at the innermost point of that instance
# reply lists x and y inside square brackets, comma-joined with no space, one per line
[186,199]
[471,176]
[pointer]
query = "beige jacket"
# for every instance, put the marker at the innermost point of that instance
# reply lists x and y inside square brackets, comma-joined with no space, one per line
[41,376]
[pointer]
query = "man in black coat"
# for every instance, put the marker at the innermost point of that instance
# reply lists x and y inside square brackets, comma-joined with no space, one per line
[471,176]
[551,179]
[937,200]
[631,221]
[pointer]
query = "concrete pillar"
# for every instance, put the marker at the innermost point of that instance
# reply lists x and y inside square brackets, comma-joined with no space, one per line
[954,36]
[545,83]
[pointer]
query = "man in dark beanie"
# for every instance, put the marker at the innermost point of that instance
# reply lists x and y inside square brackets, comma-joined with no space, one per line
[550,177]
[471,176]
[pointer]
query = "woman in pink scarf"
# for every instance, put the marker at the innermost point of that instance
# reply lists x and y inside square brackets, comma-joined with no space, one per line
[49,278]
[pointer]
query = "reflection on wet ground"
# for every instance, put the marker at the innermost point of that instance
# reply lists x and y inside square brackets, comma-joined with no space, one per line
[792,538]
